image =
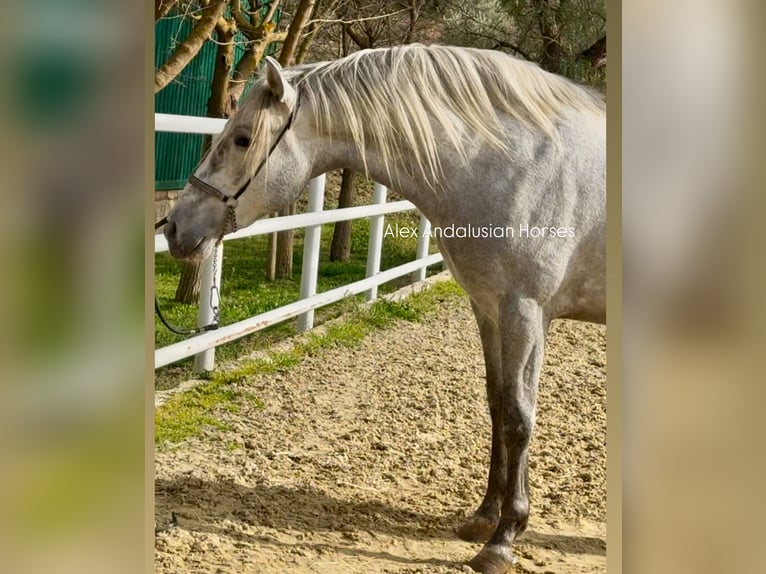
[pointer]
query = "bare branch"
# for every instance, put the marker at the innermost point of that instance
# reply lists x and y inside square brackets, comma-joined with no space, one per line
[501,44]
[162,7]
[245,25]
[311,31]
[358,38]
[272,10]
[301,18]
[355,20]
[186,50]
[249,61]
[413,10]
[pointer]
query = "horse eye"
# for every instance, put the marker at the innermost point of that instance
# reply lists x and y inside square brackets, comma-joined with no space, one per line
[242,141]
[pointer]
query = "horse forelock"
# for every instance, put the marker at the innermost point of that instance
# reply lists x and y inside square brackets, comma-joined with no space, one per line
[256,107]
[404,101]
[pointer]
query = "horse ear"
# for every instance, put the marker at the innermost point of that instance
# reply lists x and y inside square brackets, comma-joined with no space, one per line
[281,89]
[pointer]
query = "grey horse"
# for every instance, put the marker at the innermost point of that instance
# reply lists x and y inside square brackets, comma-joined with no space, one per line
[478,141]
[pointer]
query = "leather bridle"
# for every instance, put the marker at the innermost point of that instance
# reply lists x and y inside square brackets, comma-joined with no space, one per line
[231,201]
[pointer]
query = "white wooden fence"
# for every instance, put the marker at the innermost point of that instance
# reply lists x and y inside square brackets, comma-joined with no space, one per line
[202,347]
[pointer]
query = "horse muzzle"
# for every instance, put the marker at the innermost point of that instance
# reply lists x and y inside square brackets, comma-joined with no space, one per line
[186,246]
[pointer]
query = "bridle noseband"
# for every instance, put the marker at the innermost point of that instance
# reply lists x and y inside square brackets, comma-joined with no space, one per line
[231,202]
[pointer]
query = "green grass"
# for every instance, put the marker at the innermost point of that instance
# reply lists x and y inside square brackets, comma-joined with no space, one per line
[188,414]
[246,292]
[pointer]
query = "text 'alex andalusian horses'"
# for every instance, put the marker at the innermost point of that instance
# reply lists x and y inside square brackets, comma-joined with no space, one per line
[473,138]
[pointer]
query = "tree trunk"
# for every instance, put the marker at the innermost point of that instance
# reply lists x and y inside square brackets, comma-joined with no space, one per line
[220,105]
[302,15]
[248,63]
[306,44]
[284,265]
[311,32]
[186,50]
[340,250]
[271,255]
[188,286]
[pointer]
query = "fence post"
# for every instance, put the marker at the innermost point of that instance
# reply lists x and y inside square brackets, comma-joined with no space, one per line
[208,298]
[375,246]
[424,230]
[311,244]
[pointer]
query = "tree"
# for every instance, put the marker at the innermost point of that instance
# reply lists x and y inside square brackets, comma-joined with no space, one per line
[340,249]
[554,33]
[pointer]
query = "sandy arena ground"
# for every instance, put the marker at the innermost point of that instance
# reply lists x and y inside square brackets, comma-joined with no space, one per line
[365,460]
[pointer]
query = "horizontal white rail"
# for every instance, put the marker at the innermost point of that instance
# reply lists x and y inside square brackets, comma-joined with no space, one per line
[300,220]
[188,124]
[189,347]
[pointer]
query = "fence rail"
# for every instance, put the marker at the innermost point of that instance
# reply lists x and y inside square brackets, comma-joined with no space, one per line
[202,347]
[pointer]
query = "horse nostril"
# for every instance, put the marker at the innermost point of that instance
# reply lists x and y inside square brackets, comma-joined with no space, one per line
[170,229]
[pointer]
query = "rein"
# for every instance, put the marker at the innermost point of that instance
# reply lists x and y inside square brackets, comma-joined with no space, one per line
[231,202]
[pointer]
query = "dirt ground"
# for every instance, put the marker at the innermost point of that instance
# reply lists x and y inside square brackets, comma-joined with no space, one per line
[365,460]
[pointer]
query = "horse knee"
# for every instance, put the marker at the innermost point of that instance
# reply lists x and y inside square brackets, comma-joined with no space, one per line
[517,512]
[517,427]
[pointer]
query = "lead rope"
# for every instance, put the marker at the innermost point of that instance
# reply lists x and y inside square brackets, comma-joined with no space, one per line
[215,298]
[215,294]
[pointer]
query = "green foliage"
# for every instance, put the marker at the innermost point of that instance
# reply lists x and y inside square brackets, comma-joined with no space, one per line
[522,28]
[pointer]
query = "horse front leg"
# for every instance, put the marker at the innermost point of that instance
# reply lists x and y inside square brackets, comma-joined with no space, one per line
[522,340]
[480,526]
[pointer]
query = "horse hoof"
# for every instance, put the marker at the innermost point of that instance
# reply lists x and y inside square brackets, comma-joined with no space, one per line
[476,529]
[489,562]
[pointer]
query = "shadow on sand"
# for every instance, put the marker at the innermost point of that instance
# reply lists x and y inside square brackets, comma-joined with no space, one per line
[202,505]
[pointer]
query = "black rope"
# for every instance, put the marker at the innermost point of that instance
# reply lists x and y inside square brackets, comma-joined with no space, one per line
[170,326]
[180,330]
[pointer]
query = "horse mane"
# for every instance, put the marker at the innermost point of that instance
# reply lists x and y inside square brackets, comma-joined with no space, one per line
[396,100]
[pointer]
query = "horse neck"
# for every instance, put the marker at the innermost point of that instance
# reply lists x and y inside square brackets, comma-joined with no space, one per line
[338,153]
